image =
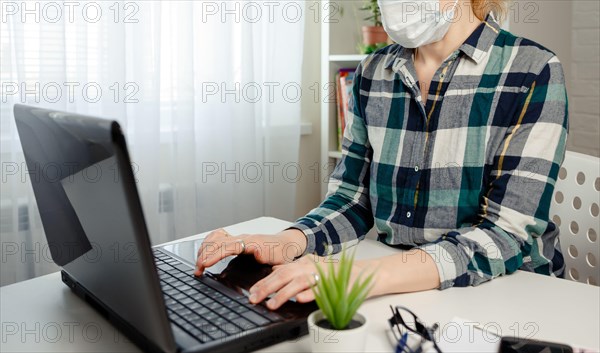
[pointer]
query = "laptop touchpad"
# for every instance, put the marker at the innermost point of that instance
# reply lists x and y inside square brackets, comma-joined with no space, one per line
[239,272]
[187,251]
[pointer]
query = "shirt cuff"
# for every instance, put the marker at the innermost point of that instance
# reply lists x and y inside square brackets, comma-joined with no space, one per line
[450,261]
[310,237]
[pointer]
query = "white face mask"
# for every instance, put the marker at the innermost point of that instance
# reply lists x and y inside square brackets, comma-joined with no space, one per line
[413,23]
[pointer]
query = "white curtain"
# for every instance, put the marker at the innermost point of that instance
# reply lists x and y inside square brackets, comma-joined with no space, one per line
[207,91]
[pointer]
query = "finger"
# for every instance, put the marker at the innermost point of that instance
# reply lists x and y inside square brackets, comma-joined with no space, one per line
[259,255]
[228,247]
[209,246]
[266,279]
[305,296]
[260,283]
[296,286]
[209,239]
[263,252]
[271,284]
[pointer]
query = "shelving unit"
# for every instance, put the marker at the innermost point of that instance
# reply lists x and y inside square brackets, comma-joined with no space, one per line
[340,34]
[346,58]
[335,155]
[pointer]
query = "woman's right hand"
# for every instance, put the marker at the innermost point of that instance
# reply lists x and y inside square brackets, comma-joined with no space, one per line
[275,249]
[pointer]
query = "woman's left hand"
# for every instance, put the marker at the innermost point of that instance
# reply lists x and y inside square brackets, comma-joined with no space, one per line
[294,279]
[407,271]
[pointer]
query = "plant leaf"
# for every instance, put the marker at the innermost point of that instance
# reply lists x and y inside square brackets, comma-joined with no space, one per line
[346,269]
[335,297]
[334,294]
[321,291]
[344,272]
[361,291]
[358,288]
[341,289]
[332,291]
[353,308]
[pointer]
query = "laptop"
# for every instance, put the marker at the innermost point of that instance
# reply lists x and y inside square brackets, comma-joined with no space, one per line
[92,216]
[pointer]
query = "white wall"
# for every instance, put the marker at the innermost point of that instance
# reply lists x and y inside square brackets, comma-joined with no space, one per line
[571,30]
[585,77]
[546,22]
[308,194]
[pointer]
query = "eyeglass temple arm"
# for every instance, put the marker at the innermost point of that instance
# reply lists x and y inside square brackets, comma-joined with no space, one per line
[392,320]
[394,323]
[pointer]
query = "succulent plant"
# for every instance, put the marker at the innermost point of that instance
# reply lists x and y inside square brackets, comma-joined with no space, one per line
[335,297]
[373,7]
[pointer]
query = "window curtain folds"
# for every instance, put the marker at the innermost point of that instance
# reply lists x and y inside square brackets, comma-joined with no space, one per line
[207,92]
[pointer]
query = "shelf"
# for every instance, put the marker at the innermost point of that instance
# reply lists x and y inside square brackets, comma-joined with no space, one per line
[338,51]
[335,154]
[346,58]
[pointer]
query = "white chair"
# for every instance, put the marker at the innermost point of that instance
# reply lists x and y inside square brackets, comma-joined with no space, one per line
[574,209]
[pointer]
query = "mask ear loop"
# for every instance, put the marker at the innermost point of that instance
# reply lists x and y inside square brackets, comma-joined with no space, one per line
[452,10]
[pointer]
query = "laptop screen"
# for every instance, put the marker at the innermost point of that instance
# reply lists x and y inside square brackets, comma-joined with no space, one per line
[89,207]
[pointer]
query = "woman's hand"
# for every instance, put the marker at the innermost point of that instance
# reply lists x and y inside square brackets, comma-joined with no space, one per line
[295,279]
[407,271]
[275,249]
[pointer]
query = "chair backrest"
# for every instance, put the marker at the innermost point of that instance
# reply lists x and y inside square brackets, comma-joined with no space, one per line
[575,210]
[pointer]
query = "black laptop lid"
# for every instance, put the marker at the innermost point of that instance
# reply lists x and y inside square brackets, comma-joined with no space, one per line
[91,214]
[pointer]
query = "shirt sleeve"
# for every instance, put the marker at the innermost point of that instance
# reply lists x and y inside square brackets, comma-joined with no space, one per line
[345,215]
[514,211]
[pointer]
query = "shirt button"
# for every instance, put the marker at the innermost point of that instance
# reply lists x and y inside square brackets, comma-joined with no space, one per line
[408,214]
[442,75]
[416,168]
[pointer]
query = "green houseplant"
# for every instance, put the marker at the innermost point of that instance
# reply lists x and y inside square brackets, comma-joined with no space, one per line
[337,327]
[374,36]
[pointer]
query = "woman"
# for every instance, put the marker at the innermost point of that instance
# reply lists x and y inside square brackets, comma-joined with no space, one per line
[451,150]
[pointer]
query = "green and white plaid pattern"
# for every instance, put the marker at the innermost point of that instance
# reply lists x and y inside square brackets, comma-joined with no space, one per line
[467,174]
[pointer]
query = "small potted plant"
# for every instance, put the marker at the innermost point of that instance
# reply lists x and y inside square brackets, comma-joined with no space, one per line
[374,36]
[337,326]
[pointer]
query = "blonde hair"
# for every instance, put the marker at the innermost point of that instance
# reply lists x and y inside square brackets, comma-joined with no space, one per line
[482,8]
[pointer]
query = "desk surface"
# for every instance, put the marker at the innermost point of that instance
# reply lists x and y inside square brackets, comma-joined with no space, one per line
[42,314]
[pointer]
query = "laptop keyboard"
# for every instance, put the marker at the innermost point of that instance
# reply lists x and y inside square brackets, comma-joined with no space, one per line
[203,311]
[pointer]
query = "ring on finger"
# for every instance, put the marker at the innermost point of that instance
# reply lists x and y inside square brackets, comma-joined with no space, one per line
[316,278]
[243,245]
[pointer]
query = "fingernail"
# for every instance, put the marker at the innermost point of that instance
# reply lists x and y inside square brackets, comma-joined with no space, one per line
[271,303]
[252,290]
[252,298]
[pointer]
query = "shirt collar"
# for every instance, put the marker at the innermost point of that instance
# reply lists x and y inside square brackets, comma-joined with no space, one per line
[480,42]
[476,46]
[397,57]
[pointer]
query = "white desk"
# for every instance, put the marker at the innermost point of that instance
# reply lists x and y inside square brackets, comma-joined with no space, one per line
[42,314]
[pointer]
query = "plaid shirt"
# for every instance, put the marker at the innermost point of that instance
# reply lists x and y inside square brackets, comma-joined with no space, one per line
[467,175]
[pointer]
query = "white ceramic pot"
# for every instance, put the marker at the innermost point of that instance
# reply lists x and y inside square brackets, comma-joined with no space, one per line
[326,340]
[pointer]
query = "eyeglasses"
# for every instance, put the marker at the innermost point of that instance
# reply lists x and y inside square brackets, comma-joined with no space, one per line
[403,322]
